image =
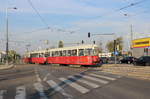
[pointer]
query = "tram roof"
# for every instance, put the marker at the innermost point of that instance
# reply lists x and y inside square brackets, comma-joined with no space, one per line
[39,51]
[74,47]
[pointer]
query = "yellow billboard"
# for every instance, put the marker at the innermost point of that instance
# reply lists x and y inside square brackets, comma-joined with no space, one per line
[143,42]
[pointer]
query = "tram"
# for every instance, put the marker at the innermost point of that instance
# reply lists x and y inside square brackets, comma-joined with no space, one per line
[76,55]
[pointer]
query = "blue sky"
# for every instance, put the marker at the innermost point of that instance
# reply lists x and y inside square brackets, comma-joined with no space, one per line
[81,16]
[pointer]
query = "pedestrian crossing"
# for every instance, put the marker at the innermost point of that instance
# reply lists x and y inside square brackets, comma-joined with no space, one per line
[81,83]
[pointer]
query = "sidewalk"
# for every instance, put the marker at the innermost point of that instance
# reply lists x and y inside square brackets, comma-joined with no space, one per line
[141,72]
[2,67]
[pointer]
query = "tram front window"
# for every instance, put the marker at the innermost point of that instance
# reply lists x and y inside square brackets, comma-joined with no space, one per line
[95,51]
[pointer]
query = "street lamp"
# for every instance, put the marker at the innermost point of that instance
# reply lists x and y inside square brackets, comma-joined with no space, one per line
[131,34]
[7,39]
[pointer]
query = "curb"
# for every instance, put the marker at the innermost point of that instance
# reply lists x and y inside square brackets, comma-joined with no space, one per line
[7,67]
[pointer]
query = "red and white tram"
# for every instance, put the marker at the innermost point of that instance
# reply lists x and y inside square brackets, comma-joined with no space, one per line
[77,55]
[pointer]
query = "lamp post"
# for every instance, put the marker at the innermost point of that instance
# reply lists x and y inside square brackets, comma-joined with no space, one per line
[7,36]
[131,34]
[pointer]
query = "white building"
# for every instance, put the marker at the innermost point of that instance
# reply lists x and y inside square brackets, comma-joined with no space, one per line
[105,54]
[2,56]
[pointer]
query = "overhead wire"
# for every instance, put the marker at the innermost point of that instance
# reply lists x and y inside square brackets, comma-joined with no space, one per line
[120,9]
[33,7]
[131,4]
[44,22]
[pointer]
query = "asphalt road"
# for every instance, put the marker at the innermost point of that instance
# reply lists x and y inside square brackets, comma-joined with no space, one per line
[60,82]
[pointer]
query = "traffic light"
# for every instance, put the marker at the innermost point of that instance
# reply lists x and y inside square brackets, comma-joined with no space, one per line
[114,45]
[82,42]
[89,34]
[93,42]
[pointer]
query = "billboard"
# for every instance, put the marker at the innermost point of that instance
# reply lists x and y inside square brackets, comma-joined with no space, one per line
[141,43]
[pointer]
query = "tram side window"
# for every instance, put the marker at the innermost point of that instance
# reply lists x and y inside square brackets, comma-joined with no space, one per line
[88,52]
[69,53]
[47,54]
[53,54]
[74,52]
[64,53]
[34,55]
[40,54]
[60,53]
[56,53]
[81,52]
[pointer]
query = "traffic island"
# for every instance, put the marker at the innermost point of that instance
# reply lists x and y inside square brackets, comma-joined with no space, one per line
[140,72]
[3,67]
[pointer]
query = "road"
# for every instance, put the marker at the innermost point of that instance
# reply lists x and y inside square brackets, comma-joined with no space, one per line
[60,82]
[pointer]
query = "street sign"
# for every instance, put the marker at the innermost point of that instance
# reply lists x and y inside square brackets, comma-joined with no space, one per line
[116,53]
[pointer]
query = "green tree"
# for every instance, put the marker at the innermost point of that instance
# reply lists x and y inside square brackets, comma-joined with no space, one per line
[100,47]
[60,44]
[13,55]
[119,45]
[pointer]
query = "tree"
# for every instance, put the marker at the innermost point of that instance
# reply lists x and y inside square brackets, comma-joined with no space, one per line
[100,49]
[13,55]
[60,44]
[119,45]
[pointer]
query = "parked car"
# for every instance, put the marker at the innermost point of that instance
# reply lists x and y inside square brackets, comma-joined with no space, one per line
[127,60]
[104,60]
[143,60]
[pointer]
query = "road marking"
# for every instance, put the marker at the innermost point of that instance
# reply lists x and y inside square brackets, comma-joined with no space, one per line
[93,85]
[109,78]
[2,93]
[94,79]
[57,88]
[40,89]
[20,92]
[45,78]
[74,85]
[117,76]
[38,78]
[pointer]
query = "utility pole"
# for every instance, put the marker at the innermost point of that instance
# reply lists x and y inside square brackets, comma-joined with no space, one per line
[7,36]
[131,27]
[107,34]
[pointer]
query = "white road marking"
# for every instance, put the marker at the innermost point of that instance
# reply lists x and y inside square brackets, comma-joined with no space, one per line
[39,87]
[109,78]
[57,88]
[45,78]
[20,92]
[93,85]
[117,76]
[95,79]
[74,85]
[38,78]
[2,93]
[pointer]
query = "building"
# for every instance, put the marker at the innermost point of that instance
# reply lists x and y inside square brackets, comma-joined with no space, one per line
[105,54]
[141,47]
[2,56]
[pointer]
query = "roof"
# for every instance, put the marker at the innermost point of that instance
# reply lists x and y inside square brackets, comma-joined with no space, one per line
[74,47]
[83,46]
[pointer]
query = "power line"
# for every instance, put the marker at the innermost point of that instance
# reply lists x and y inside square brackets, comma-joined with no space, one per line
[33,7]
[131,5]
[120,9]
[42,19]
[37,30]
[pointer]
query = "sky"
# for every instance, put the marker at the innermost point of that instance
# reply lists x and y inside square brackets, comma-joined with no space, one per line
[64,16]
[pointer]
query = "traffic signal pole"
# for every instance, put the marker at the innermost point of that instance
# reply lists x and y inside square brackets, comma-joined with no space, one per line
[107,34]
